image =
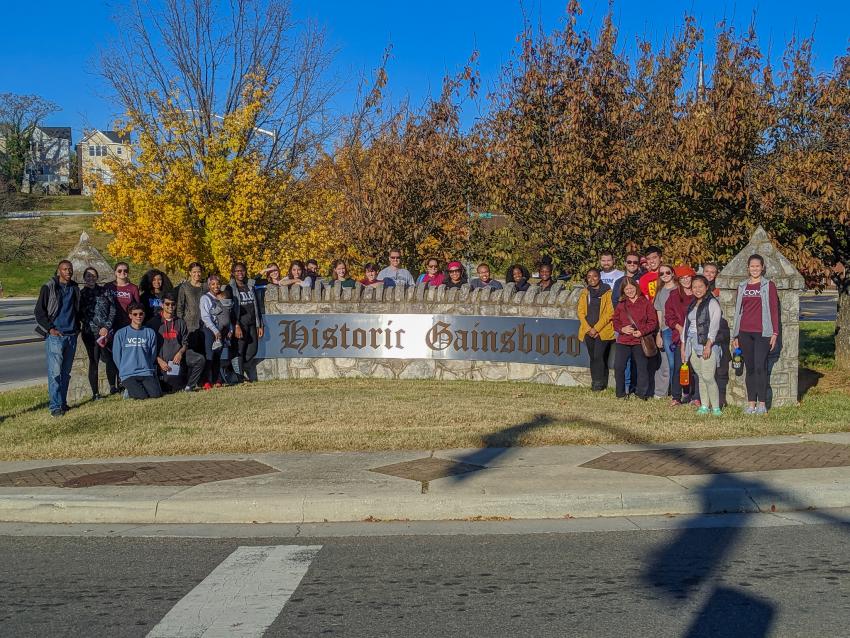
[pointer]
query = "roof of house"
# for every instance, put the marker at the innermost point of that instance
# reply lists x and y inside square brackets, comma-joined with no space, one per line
[113,136]
[59,132]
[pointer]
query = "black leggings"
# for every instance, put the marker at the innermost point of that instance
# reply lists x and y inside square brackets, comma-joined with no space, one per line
[598,351]
[755,349]
[96,354]
[641,369]
[246,351]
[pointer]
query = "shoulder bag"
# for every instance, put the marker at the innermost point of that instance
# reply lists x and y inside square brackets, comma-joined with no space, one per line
[647,342]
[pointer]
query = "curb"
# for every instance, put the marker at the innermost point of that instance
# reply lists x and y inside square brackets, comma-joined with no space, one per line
[21,341]
[83,509]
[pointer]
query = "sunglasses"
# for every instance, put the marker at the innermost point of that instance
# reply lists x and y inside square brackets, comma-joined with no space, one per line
[666,273]
[632,261]
[137,314]
[122,270]
[455,270]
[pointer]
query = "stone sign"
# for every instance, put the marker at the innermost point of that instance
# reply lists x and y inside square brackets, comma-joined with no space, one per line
[424,336]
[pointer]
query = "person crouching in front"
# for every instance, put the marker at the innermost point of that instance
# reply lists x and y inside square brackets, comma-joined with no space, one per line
[179,367]
[134,350]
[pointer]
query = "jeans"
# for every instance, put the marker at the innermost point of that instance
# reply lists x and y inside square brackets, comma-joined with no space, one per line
[60,358]
[667,336]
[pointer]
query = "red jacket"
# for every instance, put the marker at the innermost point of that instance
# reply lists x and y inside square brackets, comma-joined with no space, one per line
[643,314]
[675,311]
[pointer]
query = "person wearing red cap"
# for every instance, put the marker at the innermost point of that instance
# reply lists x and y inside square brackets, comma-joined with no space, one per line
[675,311]
[457,275]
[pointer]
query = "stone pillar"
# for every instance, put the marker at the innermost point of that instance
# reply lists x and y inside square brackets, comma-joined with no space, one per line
[784,361]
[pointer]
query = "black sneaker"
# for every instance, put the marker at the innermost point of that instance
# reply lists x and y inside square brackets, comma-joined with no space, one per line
[96,397]
[57,413]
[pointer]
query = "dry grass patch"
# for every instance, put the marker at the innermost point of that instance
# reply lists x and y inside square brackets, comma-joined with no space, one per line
[373,414]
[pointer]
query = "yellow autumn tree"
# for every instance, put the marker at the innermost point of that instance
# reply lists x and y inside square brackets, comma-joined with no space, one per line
[225,108]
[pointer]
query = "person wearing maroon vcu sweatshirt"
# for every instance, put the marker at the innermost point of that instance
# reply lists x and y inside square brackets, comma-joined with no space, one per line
[634,317]
[756,330]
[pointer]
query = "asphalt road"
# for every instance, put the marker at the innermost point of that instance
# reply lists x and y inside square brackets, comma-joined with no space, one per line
[22,363]
[753,582]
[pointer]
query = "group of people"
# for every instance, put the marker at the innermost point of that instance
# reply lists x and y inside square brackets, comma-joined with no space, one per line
[156,338]
[664,318]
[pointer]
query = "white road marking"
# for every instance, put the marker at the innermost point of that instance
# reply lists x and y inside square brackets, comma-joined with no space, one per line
[242,596]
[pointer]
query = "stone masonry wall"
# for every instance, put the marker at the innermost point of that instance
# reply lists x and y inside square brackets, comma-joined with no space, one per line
[559,303]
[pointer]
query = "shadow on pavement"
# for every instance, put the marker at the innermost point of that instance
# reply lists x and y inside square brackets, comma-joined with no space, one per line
[496,444]
[677,570]
[696,554]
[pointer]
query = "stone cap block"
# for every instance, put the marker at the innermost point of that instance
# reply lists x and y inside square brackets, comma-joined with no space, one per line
[780,270]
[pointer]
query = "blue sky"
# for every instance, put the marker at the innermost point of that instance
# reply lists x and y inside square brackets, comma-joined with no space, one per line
[53,52]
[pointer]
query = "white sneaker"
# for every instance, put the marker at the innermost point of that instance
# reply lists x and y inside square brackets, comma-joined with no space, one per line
[216,345]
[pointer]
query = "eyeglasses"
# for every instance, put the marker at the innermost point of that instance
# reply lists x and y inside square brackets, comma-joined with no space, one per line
[137,314]
[632,261]
[666,273]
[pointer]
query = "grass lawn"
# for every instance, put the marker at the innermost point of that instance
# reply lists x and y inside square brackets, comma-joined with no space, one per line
[59,235]
[375,414]
[24,201]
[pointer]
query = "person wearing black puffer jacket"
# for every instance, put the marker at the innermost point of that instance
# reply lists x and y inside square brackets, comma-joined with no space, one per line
[247,324]
[97,312]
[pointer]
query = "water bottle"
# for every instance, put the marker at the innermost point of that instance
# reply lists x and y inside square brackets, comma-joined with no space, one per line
[684,375]
[737,361]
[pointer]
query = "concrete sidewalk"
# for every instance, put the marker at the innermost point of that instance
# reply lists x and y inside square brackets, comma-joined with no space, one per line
[512,483]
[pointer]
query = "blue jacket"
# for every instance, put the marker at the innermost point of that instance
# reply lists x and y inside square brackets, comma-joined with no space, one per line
[134,352]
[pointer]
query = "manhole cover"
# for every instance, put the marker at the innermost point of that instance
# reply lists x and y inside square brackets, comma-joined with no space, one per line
[100,478]
[427,469]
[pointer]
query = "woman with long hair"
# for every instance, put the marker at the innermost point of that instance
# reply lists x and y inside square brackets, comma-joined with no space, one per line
[518,275]
[595,312]
[675,310]
[153,285]
[664,339]
[339,274]
[634,317]
[297,275]
[756,330]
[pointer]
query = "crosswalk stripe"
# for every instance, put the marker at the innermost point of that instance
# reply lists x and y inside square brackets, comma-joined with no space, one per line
[242,596]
